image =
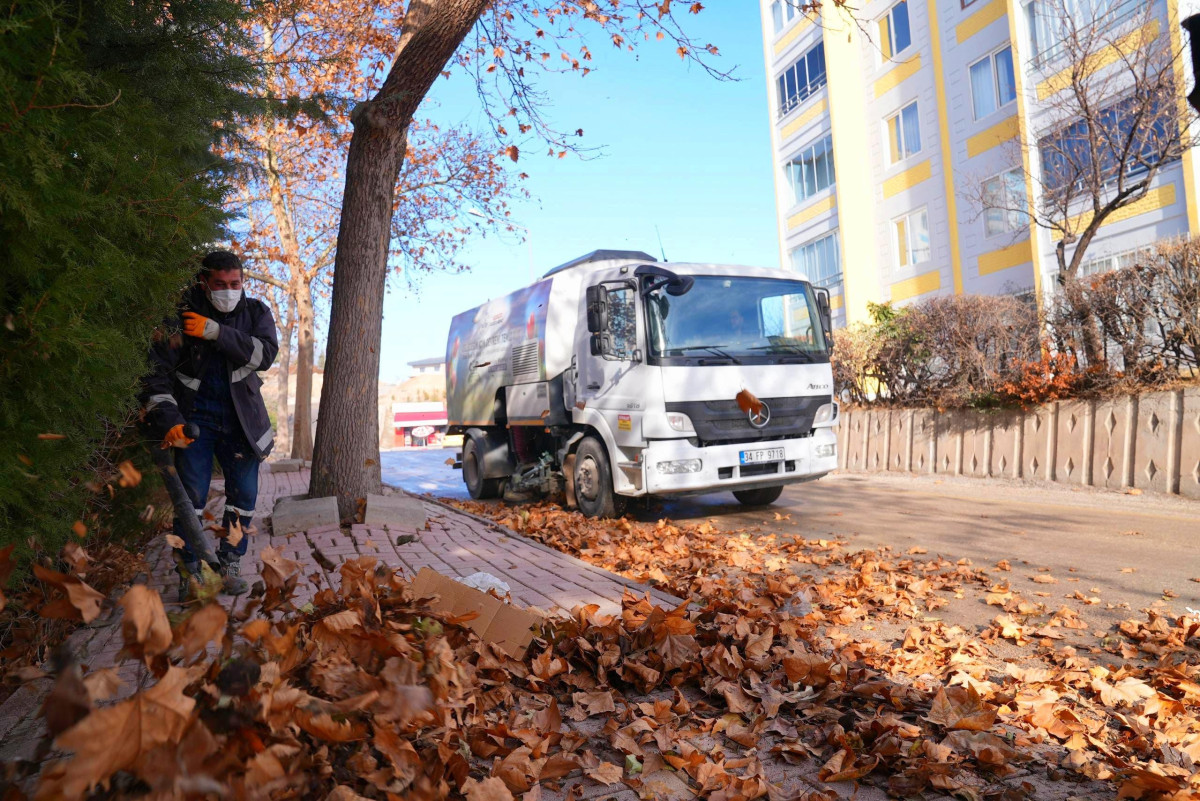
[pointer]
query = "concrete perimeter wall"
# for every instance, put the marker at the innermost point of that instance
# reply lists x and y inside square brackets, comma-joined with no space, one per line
[1150,441]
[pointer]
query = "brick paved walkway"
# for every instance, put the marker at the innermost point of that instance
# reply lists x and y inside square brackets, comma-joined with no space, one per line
[455,544]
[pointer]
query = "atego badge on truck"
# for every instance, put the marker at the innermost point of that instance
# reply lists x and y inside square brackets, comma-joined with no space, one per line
[616,376]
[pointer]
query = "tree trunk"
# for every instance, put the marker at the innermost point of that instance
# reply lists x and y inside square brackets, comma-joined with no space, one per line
[302,437]
[1093,341]
[346,457]
[283,420]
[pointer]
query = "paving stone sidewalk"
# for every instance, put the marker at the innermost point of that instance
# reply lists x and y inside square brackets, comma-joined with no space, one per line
[455,544]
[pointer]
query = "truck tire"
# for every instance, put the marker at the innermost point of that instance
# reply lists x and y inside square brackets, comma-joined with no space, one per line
[480,488]
[594,483]
[764,496]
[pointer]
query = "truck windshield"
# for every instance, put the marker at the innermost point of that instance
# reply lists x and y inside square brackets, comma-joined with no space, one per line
[737,320]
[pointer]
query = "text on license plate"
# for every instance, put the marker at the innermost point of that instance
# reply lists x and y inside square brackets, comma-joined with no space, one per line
[766,455]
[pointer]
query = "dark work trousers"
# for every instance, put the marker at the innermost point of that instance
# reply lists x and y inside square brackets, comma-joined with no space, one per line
[221,436]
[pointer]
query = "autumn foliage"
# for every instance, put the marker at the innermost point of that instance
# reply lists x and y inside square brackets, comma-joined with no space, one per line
[367,693]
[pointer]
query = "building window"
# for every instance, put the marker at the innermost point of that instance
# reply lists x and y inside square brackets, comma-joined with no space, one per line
[801,79]
[1118,261]
[912,239]
[992,83]
[1052,22]
[820,260]
[777,15]
[1005,203]
[895,36]
[811,171]
[1068,154]
[904,133]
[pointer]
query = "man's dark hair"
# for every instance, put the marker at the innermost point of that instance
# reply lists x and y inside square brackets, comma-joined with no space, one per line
[220,260]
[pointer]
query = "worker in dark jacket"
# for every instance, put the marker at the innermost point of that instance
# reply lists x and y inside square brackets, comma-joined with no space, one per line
[209,376]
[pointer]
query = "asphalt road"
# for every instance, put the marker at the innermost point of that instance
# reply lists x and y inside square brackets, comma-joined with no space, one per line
[1124,549]
[1130,551]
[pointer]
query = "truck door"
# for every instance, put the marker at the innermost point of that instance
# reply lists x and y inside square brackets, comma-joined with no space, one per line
[606,380]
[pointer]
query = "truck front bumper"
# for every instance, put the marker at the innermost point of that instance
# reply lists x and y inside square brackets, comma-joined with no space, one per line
[677,466]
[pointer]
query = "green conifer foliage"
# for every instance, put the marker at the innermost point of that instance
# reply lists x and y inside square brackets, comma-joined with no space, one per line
[111,115]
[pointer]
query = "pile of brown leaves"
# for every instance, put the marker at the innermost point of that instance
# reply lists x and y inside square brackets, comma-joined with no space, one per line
[368,694]
[1133,721]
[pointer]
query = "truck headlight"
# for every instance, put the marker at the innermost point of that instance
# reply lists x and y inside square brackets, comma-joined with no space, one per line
[679,466]
[822,451]
[680,422]
[826,414]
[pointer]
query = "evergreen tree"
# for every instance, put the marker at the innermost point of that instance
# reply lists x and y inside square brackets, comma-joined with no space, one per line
[111,117]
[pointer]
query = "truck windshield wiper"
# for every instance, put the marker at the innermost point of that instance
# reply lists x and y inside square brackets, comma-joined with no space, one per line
[711,349]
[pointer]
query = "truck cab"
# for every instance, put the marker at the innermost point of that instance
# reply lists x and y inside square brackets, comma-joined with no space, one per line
[631,377]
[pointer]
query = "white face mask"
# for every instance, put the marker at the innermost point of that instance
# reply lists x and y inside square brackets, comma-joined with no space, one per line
[224,300]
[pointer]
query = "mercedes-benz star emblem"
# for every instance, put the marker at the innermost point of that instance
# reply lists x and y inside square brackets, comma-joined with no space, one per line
[760,418]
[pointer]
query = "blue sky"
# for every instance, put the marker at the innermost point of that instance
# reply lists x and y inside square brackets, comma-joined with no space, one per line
[681,150]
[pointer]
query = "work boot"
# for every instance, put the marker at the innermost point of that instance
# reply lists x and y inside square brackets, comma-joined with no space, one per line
[187,571]
[231,571]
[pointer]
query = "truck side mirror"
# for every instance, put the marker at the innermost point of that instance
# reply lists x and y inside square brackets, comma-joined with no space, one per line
[826,311]
[597,310]
[596,345]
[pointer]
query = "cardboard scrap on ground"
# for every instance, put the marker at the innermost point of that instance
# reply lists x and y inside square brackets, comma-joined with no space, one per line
[498,622]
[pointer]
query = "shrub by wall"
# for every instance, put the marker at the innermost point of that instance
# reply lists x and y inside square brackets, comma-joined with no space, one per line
[109,187]
[1147,315]
[953,351]
[974,351]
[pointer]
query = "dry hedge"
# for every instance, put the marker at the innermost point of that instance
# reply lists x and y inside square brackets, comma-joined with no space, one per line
[984,351]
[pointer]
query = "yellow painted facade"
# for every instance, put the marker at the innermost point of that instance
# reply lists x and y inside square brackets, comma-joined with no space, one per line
[1189,158]
[897,75]
[855,181]
[1154,200]
[939,82]
[910,288]
[1000,133]
[791,35]
[962,146]
[908,179]
[985,16]
[806,118]
[812,210]
[1004,258]
[1123,47]
[1025,140]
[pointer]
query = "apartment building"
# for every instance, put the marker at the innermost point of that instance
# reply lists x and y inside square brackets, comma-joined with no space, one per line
[906,144]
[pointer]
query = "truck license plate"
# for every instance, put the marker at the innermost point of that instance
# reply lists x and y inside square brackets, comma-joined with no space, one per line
[757,457]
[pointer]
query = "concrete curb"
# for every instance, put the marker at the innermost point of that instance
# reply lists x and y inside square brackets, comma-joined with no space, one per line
[636,587]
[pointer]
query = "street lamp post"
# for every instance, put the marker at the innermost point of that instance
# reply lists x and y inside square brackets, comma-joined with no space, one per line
[528,236]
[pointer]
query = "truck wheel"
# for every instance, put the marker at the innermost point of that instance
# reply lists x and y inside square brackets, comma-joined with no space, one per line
[593,481]
[763,496]
[479,487]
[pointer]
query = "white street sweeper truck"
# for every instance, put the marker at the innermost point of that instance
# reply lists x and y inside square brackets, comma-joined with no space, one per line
[616,376]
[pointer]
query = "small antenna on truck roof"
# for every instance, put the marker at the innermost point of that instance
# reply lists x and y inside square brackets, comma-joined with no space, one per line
[660,245]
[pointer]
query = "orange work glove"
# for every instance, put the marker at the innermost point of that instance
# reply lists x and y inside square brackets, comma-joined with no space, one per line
[199,326]
[175,438]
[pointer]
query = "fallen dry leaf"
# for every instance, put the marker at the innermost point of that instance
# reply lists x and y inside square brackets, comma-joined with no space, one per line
[748,403]
[118,737]
[80,602]
[199,629]
[145,627]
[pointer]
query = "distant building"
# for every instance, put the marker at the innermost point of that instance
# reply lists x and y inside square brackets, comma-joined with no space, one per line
[881,139]
[434,366]
[419,424]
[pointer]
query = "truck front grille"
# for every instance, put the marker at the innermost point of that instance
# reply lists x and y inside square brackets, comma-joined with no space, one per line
[722,422]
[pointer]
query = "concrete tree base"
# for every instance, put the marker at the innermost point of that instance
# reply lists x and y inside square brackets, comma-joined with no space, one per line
[299,514]
[398,511]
